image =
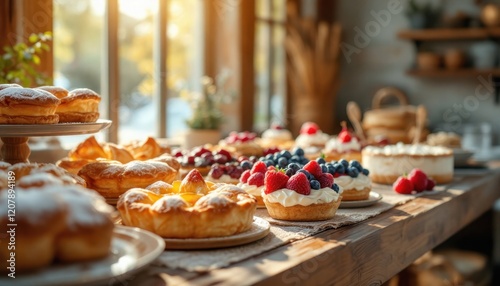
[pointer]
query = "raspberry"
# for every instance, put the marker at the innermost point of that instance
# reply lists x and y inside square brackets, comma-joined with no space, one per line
[299,184]
[256,179]
[403,186]
[344,135]
[274,181]
[313,168]
[259,167]
[326,180]
[419,180]
[244,176]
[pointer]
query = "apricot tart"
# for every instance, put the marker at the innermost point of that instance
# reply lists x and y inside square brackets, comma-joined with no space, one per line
[191,208]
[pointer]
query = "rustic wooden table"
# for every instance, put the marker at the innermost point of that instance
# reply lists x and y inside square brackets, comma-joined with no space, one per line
[368,253]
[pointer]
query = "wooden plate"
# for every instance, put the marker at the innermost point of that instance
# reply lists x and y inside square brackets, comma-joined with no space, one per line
[260,229]
[373,199]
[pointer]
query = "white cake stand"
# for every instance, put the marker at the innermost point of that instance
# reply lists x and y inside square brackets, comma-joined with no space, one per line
[15,137]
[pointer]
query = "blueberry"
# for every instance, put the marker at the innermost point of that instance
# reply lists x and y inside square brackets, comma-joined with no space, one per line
[286,154]
[315,185]
[308,175]
[344,163]
[356,164]
[304,160]
[295,159]
[269,163]
[352,172]
[246,165]
[262,159]
[282,162]
[298,152]
[365,172]
[321,161]
[324,169]
[276,156]
[335,187]
[331,169]
[339,168]
[294,166]
[290,172]
[269,156]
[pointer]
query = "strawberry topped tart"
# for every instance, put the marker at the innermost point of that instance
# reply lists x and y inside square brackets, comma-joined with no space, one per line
[242,144]
[311,139]
[346,145]
[277,136]
[309,194]
[352,177]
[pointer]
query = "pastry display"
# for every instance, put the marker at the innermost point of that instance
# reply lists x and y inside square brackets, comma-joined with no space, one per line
[80,105]
[277,136]
[445,139]
[191,208]
[112,178]
[242,144]
[344,146]
[63,223]
[27,106]
[202,159]
[352,178]
[311,139]
[308,194]
[387,163]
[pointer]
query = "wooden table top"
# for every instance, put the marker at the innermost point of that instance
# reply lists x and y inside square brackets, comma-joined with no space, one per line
[368,253]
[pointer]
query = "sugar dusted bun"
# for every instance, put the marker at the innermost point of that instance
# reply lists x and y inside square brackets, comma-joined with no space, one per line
[192,208]
[27,106]
[81,105]
[41,174]
[7,85]
[58,92]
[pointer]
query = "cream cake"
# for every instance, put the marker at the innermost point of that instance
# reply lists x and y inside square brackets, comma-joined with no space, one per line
[389,162]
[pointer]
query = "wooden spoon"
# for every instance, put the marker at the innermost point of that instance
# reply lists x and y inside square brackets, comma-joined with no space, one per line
[354,114]
[421,117]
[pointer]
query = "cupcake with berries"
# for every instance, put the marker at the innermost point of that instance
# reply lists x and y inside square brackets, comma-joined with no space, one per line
[311,139]
[277,136]
[242,144]
[352,177]
[202,159]
[305,194]
[346,145]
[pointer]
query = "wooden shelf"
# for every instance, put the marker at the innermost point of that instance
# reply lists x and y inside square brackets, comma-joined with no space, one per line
[450,34]
[442,73]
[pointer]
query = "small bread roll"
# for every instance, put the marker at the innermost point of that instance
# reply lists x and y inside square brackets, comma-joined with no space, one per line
[81,105]
[27,106]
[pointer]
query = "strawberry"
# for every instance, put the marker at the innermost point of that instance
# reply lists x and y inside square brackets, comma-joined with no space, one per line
[314,168]
[193,183]
[326,180]
[344,135]
[418,179]
[256,179]
[271,168]
[430,184]
[299,184]
[274,181]
[403,186]
[309,128]
[259,167]
[244,176]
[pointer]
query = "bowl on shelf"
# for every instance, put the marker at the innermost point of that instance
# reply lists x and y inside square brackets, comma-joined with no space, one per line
[454,59]
[428,61]
[484,54]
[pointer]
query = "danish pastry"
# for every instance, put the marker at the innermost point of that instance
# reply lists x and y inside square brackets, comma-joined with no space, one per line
[27,106]
[81,105]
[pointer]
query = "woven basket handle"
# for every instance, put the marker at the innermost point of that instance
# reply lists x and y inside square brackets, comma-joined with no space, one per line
[388,92]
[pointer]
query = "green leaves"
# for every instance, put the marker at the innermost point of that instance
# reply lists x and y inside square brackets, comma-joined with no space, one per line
[17,64]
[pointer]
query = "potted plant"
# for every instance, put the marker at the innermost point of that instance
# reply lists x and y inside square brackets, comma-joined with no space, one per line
[17,64]
[207,118]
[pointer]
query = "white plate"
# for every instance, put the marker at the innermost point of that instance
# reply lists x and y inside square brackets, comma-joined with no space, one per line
[26,130]
[373,199]
[131,250]
[260,229]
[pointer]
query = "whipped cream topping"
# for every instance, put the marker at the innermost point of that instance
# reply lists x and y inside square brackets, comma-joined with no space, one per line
[288,198]
[335,145]
[408,149]
[251,189]
[305,140]
[277,134]
[349,183]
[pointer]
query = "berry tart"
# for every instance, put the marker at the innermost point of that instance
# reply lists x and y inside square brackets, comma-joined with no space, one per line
[242,144]
[344,146]
[311,139]
[252,181]
[389,162]
[309,194]
[277,136]
[352,177]
[202,159]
